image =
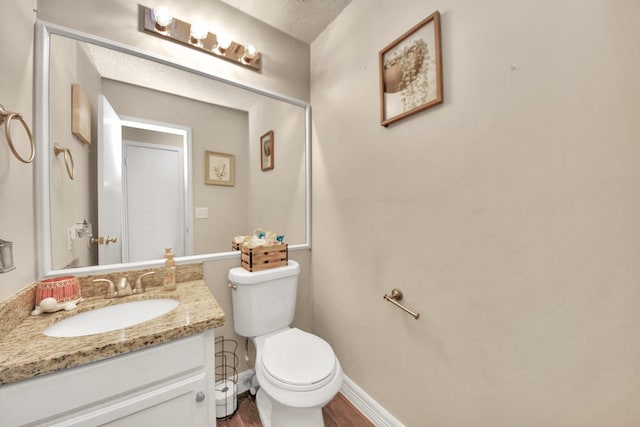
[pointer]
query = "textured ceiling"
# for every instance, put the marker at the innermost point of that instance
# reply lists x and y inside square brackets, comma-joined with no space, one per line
[302,19]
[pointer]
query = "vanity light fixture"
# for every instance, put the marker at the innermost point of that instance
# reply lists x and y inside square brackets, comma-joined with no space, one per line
[161,23]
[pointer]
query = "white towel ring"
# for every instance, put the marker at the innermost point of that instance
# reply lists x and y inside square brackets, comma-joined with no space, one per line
[68,159]
[6,117]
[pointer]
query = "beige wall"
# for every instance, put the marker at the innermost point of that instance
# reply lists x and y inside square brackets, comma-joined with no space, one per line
[71,199]
[285,60]
[508,215]
[282,188]
[16,179]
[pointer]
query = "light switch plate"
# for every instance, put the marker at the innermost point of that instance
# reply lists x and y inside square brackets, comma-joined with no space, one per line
[202,213]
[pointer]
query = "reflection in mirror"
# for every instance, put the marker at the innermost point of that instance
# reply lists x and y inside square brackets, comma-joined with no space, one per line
[140,175]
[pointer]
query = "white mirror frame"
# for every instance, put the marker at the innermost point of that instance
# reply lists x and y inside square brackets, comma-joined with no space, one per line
[43,33]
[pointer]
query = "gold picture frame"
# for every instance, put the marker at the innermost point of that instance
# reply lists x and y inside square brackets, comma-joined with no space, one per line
[267,145]
[80,114]
[411,72]
[220,169]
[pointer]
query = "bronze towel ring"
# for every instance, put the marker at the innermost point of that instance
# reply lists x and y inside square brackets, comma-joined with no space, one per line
[68,159]
[6,117]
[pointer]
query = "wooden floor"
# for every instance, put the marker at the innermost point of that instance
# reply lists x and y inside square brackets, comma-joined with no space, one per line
[338,413]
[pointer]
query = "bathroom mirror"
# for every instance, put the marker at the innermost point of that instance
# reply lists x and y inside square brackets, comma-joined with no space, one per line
[170,118]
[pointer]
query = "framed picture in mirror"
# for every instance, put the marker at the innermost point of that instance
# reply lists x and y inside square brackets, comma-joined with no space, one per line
[220,169]
[80,114]
[266,151]
[411,72]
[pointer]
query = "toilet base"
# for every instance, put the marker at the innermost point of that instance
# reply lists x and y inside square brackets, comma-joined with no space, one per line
[273,414]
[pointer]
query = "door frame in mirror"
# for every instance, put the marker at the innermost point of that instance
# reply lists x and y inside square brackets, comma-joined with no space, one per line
[43,32]
[185,133]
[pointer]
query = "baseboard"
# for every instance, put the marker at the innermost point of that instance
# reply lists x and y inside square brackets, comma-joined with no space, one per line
[244,379]
[371,409]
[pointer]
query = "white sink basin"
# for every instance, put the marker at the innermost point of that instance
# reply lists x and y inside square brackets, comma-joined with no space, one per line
[111,318]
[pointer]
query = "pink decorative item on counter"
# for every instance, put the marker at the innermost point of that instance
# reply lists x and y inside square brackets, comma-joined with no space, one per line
[63,289]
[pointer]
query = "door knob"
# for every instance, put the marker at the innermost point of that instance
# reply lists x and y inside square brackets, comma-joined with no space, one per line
[200,397]
[101,240]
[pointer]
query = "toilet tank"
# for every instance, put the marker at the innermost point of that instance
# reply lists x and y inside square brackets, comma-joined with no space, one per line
[263,301]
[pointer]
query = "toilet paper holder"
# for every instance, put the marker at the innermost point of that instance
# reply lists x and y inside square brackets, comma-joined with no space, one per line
[226,377]
[396,295]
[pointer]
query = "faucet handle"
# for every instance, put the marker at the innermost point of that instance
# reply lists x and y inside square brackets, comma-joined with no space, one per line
[111,288]
[139,287]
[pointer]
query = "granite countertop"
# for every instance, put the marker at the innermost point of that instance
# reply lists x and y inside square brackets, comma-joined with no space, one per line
[26,352]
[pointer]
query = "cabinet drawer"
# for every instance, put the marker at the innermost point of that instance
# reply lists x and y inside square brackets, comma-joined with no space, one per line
[168,405]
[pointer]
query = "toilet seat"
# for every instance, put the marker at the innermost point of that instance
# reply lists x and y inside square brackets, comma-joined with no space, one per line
[297,360]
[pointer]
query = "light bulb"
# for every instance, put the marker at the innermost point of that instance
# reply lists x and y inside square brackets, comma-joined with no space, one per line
[224,41]
[199,31]
[249,53]
[163,17]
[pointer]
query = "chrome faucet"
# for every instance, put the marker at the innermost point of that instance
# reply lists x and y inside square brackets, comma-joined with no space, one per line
[121,289]
[139,287]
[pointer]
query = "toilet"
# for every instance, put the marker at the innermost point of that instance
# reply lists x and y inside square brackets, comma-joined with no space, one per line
[298,372]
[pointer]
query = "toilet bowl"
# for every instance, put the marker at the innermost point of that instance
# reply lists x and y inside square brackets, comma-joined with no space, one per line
[298,372]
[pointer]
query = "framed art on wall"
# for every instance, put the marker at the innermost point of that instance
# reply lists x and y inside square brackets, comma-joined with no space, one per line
[220,169]
[411,72]
[80,114]
[266,151]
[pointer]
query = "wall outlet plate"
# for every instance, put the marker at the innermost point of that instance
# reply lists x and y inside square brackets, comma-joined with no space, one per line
[202,213]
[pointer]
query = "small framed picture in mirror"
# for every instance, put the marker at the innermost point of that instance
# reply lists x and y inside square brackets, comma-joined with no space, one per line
[220,169]
[81,114]
[266,151]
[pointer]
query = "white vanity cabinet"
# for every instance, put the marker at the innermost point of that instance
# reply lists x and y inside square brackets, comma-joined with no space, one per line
[169,384]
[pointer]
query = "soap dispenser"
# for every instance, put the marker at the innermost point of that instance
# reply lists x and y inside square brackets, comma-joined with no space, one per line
[169,270]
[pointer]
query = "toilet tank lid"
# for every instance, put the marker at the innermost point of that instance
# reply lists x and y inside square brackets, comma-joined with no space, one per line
[244,277]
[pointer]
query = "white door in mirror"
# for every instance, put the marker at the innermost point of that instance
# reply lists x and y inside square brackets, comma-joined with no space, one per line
[111,318]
